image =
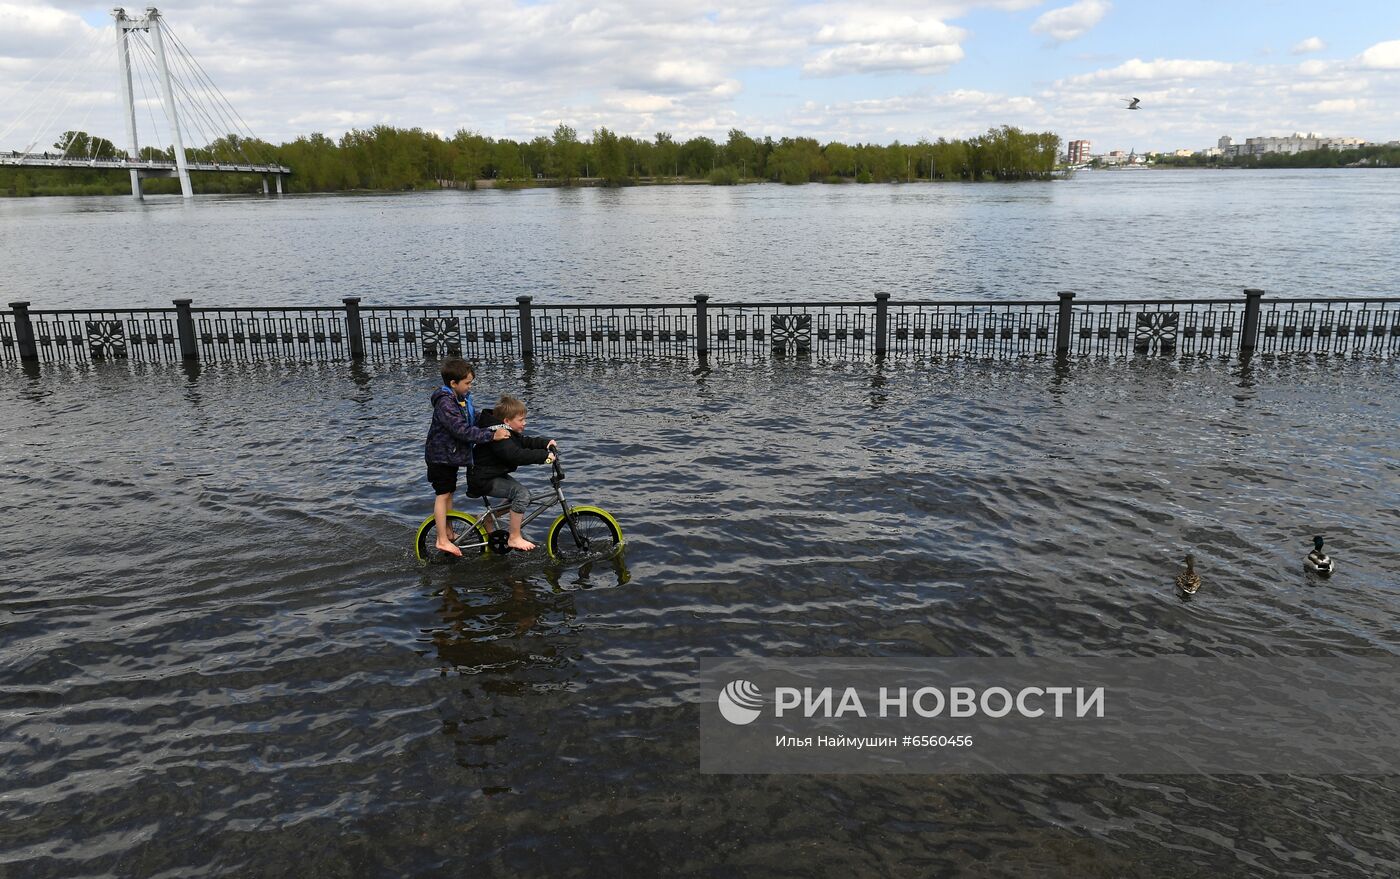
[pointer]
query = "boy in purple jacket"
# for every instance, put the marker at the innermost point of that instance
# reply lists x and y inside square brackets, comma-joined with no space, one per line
[450,440]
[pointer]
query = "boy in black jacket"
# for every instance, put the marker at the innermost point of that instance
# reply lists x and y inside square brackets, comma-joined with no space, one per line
[496,461]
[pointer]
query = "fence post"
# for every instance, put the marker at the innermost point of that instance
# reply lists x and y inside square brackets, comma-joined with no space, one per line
[527,329]
[1063,324]
[702,325]
[184,325]
[1250,332]
[882,323]
[353,328]
[24,333]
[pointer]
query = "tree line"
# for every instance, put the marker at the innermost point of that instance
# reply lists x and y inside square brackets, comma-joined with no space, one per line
[1376,156]
[389,158]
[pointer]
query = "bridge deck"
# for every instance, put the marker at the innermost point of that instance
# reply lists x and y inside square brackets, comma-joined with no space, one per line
[41,160]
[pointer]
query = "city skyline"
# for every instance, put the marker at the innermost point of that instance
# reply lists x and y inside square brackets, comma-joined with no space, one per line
[834,71]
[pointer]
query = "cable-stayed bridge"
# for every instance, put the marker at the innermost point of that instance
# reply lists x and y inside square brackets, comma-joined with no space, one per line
[181,103]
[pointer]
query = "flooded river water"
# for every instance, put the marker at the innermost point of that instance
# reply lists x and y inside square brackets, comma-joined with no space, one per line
[221,658]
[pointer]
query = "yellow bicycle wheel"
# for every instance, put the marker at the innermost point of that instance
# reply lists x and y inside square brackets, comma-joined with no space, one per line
[594,533]
[470,537]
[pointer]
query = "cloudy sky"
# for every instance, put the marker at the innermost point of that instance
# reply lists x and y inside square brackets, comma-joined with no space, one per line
[869,71]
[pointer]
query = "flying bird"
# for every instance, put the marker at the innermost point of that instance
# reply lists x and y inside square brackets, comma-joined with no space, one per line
[1132,103]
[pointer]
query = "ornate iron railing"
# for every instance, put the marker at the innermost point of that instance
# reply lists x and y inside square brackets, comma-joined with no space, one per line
[1158,327]
[826,331]
[9,348]
[270,333]
[1358,326]
[612,331]
[392,333]
[1330,326]
[143,334]
[972,329]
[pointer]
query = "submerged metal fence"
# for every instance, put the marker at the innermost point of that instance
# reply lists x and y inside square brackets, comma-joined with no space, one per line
[1360,326]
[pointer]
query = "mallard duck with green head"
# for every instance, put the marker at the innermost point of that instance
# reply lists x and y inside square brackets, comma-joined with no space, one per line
[1317,560]
[1189,581]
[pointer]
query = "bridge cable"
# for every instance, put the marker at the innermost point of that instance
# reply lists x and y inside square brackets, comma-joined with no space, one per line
[157,87]
[82,125]
[55,109]
[195,104]
[146,64]
[219,102]
[195,110]
[200,69]
[224,123]
[41,93]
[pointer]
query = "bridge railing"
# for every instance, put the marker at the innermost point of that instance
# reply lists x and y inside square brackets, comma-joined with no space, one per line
[42,160]
[829,331]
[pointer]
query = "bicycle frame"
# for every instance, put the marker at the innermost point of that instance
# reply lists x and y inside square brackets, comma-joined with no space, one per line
[534,510]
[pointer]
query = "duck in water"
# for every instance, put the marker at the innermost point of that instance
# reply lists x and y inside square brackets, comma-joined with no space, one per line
[1317,560]
[1189,581]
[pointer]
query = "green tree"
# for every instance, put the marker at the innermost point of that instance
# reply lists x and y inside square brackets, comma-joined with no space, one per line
[744,151]
[796,160]
[508,159]
[81,145]
[840,158]
[698,157]
[565,153]
[472,156]
[665,156]
[610,158]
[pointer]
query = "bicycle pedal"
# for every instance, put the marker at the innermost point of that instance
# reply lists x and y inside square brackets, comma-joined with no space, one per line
[499,541]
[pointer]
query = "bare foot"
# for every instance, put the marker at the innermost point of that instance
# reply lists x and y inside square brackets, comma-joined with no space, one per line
[449,548]
[520,543]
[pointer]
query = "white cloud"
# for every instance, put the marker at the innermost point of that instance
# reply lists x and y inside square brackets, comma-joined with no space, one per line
[902,29]
[1311,44]
[887,58]
[1070,22]
[1341,105]
[1160,70]
[1382,56]
[871,40]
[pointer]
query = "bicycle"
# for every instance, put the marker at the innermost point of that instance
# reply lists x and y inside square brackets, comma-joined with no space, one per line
[580,530]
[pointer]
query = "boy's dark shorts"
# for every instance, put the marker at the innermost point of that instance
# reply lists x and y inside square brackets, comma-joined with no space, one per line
[443,477]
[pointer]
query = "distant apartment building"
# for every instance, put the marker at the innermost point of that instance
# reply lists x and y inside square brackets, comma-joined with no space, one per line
[1258,146]
[1078,152]
[1297,143]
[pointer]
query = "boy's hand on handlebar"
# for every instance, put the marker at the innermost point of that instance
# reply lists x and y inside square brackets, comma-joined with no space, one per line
[552,444]
[549,459]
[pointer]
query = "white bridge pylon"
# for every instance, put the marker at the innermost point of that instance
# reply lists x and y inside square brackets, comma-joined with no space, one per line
[151,23]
